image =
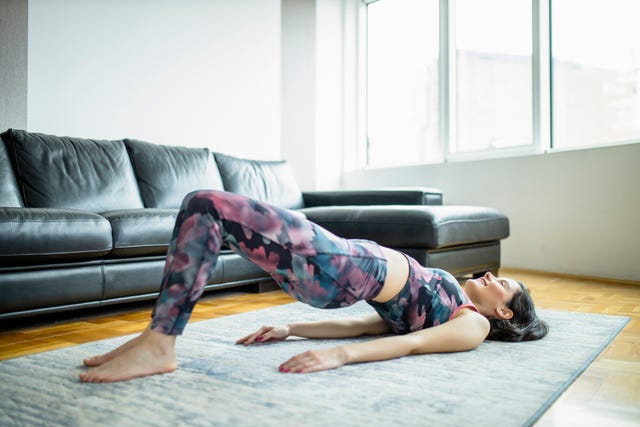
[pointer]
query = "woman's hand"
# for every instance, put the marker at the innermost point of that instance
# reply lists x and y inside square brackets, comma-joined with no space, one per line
[266,333]
[316,360]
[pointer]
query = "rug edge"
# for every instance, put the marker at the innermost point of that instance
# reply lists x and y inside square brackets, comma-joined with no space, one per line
[576,374]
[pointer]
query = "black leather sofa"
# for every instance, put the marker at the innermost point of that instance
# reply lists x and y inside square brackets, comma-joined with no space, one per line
[85,223]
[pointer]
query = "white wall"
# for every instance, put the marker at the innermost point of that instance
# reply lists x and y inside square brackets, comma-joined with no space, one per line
[298,119]
[575,212]
[319,105]
[189,72]
[264,79]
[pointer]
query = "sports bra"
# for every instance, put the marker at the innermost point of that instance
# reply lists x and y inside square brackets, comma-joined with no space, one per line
[429,298]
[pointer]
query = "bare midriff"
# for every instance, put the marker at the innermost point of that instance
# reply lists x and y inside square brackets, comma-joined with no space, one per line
[397,274]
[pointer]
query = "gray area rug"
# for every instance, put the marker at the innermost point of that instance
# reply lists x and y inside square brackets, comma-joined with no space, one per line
[222,384]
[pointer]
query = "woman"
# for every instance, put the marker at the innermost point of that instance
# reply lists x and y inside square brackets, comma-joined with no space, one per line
[426,309]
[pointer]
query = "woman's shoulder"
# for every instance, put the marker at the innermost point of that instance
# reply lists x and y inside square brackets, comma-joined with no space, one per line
[470,314]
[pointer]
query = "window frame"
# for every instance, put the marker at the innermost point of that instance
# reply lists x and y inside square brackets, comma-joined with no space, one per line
[541,86]
[540,140]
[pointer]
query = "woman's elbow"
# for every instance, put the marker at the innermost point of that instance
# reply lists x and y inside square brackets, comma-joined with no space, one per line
[474,340]
[474,344]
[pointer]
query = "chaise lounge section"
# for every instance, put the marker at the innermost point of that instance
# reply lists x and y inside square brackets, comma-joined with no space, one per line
[85,223]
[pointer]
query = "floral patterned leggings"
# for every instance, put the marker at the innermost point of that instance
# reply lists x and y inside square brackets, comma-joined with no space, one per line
[307,261]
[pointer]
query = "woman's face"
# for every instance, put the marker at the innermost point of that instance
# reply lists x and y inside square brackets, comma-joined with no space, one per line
[490,293]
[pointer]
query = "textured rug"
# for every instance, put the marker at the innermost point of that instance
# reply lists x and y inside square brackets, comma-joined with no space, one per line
[221,384]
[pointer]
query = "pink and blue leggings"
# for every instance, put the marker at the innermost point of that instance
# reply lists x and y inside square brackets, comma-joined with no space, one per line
[308,262]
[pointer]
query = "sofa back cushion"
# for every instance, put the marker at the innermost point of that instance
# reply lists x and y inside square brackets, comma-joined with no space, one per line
[9,193]
[268,181]
[166,174]
[72,173]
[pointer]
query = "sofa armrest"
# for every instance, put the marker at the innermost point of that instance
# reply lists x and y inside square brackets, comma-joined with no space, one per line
[395,196]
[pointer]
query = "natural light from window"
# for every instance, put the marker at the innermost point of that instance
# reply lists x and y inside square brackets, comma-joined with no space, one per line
[493,86]
[596,72]
[450,80]
[402,82]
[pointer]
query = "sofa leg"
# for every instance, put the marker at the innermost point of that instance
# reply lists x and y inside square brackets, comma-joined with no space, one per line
[265,286]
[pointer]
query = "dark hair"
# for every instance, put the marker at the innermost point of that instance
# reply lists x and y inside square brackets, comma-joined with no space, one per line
[524,325]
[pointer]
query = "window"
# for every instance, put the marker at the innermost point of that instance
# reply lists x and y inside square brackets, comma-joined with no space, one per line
[493,80]
[402,82]
[468,79]
[596,72]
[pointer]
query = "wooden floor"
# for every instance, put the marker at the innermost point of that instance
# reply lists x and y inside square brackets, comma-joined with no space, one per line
[606,394]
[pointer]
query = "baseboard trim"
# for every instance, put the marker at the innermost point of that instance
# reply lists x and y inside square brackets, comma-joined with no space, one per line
[572,276]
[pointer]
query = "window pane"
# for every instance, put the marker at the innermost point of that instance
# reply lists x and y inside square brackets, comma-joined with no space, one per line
[493,93]
[402,82]
[596,72]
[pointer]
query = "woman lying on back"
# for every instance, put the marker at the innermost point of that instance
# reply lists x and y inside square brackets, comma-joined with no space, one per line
[424,309]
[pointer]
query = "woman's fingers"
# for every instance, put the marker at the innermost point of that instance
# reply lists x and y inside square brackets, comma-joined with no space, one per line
[258,335]
[313,361]
[243,339]
[305,362]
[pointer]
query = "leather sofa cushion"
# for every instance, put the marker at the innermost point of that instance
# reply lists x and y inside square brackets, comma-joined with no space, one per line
[141,231]
[268,181]
[166,174]
[9,194]
[36,290]
[72,173]
[41,235]
[430,227]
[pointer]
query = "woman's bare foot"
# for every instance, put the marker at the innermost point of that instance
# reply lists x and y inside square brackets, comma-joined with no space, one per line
[100,359]
[148,354]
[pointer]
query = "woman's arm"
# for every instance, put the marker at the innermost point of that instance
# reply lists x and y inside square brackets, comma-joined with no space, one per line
[337,328]
[340,328]
[466,332]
